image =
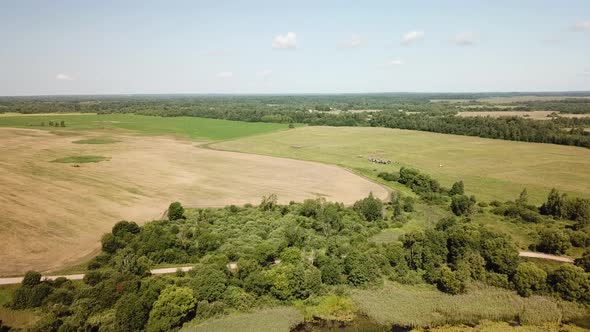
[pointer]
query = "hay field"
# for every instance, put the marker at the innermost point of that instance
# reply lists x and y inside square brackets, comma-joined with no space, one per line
[491,169]
[53,214]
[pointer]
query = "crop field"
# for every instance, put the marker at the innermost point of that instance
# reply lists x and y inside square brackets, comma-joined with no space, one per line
[195,128]
[491,169]
[54,213]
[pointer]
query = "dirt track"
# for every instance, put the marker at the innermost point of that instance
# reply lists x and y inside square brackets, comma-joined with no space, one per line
[53,214]
[541,255]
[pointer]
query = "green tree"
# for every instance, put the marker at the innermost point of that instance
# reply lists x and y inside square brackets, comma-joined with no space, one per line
[448,281]
[570,282]
[175,211]
[554,241]
[529,278]
[457,189]
[174,306]
[523,198]
[501,255]
[32,278]
[554,205]
[131,313]
[461,205]
[209,284]
[369,208]
[584,261]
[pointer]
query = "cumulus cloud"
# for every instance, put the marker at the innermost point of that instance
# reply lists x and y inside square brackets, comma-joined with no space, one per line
[225,74]
[466,38]
[285,42]
[264,73]
[582,25]
[353,42]
[412,36]
[395,62]
[63,77]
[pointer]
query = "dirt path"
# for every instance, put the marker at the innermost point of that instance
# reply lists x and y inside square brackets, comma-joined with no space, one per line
[540,255]
[18,280]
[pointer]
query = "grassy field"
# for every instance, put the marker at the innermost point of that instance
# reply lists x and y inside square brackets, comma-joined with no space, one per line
[281,319]
[15,318]
[191,127]
[96,141]
[80,159]
[424,306]
[491,169]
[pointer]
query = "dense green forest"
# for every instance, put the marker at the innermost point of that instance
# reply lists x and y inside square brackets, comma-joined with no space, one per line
[270,255]
[402,110]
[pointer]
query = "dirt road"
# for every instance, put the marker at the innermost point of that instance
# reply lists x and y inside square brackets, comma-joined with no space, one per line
[556,258]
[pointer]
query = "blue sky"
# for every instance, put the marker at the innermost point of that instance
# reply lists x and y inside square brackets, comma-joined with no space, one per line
[120,47]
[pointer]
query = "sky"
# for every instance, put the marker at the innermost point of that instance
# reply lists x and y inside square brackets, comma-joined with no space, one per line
[149,47]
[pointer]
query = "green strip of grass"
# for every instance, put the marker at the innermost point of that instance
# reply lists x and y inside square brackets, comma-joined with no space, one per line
[96,141]
[271,320]
[81,159]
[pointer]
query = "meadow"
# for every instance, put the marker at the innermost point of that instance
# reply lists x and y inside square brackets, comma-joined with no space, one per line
[424,306]
[188,127]
[279,319]
[491,169]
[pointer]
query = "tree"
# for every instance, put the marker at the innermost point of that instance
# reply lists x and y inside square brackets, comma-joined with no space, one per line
[369,208]
[461,205]
[457,189]
[529,278]
[523,198]
[175,211]
[554,241]
[360,268]
[268,203]
[131,313]
[584,261]
[554,204]
[501,255]
[174,306]
[570,282]
[209,284]
[32,278]
[448,282]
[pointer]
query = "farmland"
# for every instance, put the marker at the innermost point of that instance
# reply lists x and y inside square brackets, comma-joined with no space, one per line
[491,169]
[48,182]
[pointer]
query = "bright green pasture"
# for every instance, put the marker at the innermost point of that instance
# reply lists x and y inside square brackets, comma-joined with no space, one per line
[191,127]
[280,319]
[491,169]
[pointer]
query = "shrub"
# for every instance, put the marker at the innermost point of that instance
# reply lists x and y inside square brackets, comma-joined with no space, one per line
[369,208]
[584,261]
[31,278]
[175,211]
[461,205]
[174,306]
[209,284]
[554,241]
[570,282]
[131,313]
[448,282]
[528,279]
[457,189]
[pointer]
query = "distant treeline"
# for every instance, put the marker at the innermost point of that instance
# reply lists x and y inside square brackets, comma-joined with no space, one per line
[404,111]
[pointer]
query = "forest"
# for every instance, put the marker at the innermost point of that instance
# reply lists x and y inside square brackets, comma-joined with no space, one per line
[303,254]
[404,111]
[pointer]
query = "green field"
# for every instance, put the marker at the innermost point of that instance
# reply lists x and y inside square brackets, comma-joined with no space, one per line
[191,127]
[491,169]
[80,159]
[281,319]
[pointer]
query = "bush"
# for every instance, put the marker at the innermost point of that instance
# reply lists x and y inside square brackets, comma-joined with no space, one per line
[209,284]
[174,306]
[448,282]
[131,313]
[457,189]
[528,279]
[461,205]
[30,296]
[175,211]
[32,278]
[584,261]
[570,282]
[360,268]
[554,241]
[110,243]
[369,208]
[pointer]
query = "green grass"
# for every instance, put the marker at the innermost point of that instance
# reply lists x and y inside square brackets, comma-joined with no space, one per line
[491,169]
[96,141]
[424,306]
[80,159]
[191,127]
[15,318]
[281,319]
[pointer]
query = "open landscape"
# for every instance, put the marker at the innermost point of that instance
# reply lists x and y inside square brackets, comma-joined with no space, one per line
[309,166]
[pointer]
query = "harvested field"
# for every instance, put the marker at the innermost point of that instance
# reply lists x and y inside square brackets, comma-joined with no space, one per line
[53,214]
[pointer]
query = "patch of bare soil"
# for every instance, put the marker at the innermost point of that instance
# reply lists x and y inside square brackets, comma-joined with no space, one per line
[53,214]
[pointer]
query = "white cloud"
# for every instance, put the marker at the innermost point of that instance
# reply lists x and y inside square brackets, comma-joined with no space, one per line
[63,77]
[354,42]
[395,62]
[285,42]
[264,73]
[412,36]
[466,38]
[582,25]
[225,74]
